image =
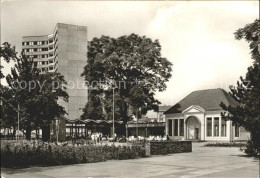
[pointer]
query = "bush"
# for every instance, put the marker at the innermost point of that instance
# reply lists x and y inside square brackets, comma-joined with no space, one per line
[50,154]
[122,140]
[226,144]
[251,149]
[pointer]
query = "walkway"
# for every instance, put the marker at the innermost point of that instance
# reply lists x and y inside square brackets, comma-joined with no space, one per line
[202,162]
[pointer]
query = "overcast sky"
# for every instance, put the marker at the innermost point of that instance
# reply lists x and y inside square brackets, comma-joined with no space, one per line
[197,37]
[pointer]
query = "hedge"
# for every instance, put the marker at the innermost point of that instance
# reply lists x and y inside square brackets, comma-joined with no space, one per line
[50,154]
[226,144]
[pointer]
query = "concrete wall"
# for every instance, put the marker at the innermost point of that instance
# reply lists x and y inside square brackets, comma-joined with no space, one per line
[167,147]
[72,57]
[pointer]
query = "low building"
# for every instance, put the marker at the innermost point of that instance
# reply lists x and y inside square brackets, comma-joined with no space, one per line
[84,128]
[198,117]
[153,124]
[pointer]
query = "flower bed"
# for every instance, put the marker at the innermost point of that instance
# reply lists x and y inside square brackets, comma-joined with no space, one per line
[226,144]
[49,154]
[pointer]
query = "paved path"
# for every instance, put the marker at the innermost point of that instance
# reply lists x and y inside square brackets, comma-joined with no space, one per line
[202,162]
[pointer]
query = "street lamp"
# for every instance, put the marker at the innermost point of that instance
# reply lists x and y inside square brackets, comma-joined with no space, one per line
[18,115]
[113,113]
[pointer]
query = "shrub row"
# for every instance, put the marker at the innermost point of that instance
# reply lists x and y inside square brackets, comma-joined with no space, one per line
[49,154]
[227,144]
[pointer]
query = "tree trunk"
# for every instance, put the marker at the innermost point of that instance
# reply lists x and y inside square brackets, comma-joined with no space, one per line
[8,133]
[37,134]
[14,133]
[28,133]
[46,133]
[255,137]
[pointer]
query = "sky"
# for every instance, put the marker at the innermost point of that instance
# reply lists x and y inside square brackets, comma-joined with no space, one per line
[196,36]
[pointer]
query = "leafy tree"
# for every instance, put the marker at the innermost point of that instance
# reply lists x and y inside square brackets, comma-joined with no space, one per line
[93,109]
[8,111]
[7,53]
[133,65]
[247,91]
[44,106]
[35,96]
[21,75]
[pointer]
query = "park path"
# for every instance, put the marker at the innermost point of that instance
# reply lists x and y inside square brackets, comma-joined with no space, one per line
[202,162]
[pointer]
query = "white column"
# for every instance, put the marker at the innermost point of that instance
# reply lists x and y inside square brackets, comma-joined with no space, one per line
[220,122]
[185,129]
[166,127]
[178,127]
[172,127]
[230,130]
[202,129]
[212,131]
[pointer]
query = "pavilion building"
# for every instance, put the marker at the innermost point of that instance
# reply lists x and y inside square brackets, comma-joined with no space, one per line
[198,117]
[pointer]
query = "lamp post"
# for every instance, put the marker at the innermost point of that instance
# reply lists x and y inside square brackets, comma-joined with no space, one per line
[18,115]
[113,112]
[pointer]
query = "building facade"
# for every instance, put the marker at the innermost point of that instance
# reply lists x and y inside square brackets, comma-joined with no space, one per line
[198,117]
[151,125]
[63,51]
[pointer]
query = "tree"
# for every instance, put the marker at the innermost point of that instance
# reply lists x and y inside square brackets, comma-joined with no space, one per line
[44,106]
[7,53]
[247,91]
[133,66]
[8,111]
[93,109]
[35,96]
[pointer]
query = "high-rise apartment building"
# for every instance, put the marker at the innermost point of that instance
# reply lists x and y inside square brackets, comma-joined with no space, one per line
[64,51]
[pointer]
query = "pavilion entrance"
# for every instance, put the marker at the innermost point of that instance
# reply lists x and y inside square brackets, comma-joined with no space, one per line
[193,128]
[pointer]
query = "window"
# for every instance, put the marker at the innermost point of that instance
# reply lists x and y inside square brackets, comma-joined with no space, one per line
[181,127]
[35,49]
[216,126]
[43,56]
[209,127]
[35,43]
[23,43]
[176,127]
[43,42]
[27,43]
[223,127]
[236,130]
[44,49]
[27,50]
[170,127]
